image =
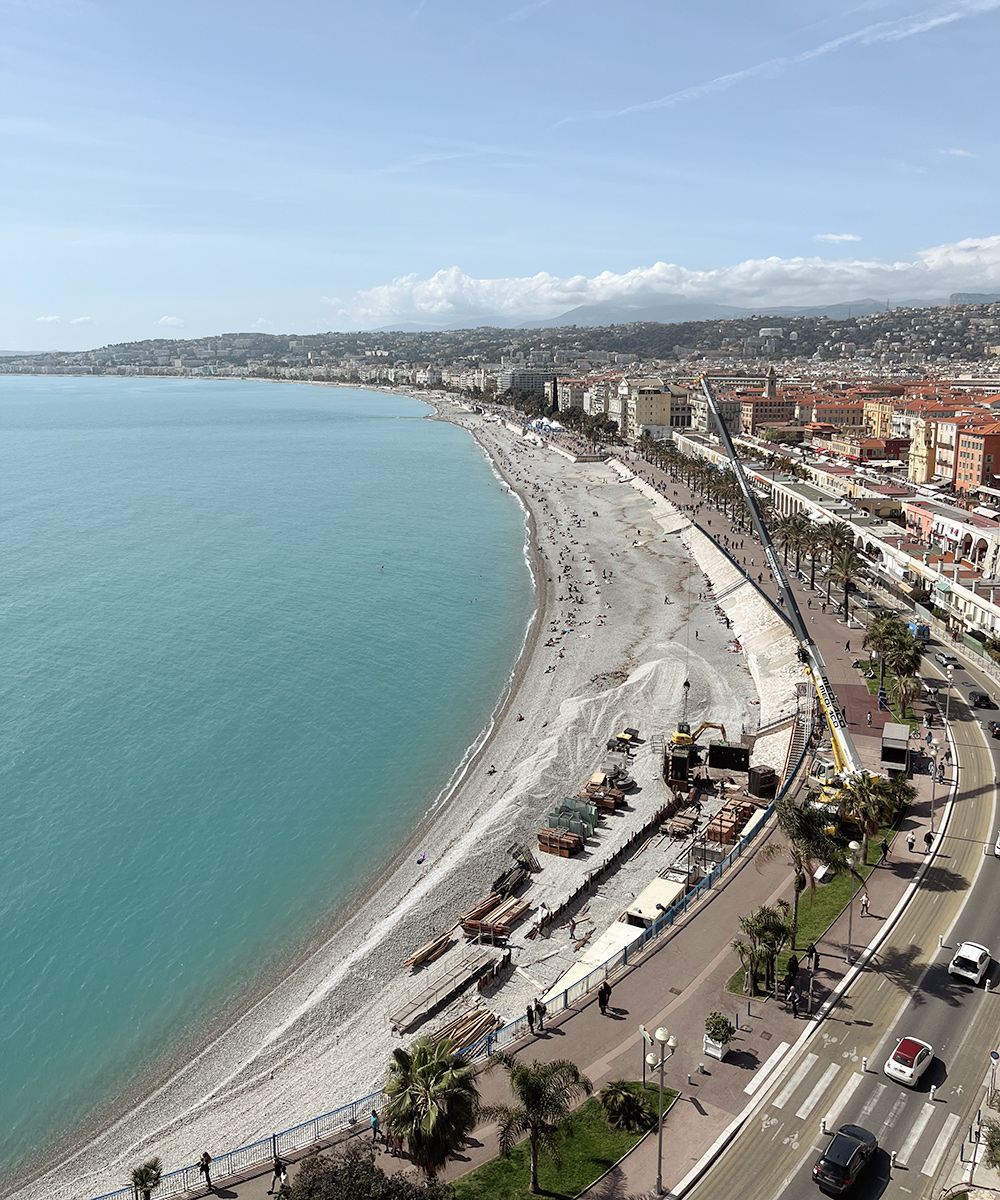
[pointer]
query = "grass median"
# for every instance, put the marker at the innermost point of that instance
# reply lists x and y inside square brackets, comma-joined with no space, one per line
[591,1148]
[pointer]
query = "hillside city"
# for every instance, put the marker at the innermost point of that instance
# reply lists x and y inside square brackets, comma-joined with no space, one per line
[889,422]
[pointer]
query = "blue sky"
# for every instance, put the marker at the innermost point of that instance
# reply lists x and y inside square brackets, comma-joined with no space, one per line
[320,164]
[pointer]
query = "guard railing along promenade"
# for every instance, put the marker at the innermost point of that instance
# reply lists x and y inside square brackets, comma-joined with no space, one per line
[355,1114]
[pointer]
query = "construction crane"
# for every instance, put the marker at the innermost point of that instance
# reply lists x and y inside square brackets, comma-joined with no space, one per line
[845,754]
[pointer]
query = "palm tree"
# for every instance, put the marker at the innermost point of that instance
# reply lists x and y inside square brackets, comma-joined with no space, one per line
[902,691]
[433,1101]
[147,1177]
[882,632]
[622,1104]
[844,569]
[873,801]
[753,959]
[810,845]
[544,1093]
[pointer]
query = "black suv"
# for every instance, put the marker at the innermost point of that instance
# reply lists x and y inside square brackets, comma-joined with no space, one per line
[849,1152]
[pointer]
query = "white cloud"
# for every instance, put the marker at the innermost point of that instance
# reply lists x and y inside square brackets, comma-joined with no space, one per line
[836,237]
[450,295]
[48,320]
[175,321]
[957,153]
[262,323]
[82,321]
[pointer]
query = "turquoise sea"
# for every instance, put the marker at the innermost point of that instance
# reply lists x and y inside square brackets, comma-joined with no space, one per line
[248,631]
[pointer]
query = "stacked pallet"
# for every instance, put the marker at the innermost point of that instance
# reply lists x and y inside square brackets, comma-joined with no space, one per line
[728,822]
[469,1027]
[559,841]
[496,924]
[430,950]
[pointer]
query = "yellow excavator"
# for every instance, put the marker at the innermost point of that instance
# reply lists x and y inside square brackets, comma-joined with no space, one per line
[682,735]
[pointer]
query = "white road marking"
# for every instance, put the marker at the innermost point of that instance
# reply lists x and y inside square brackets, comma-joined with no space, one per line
[766,1069]
[841,1102]
[933,1159]
[893,1116]
[813,1098]
[800,1072]
[873,1099]
[919,1125]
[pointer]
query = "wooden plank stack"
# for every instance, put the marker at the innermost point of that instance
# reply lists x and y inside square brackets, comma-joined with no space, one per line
[430,950]
[496,923]
[559,841]
[727,823]
[468,1028]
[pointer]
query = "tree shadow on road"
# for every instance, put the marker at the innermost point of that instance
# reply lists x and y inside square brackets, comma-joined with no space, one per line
[902,966]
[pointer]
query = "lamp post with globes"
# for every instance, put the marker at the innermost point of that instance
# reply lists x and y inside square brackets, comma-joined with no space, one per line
[852,862]
[668,1044]
[947,697]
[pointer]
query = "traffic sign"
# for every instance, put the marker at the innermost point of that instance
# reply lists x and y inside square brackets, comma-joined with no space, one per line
[649,1040]
[994,1054]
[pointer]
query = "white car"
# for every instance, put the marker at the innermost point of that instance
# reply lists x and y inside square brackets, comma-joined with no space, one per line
[970,962]
[996,846]
[909,1060]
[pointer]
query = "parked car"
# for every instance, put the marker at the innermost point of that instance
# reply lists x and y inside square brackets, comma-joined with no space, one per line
[970,962]
[848,1154]
[909,1061]
[869,602]
[944,659]
[980,700]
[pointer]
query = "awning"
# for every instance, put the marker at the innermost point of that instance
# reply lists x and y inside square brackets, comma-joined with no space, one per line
[941,586]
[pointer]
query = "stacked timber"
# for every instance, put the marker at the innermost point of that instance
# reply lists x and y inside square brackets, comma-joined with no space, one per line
[728,822]
[559,841]
[510,881]
[469,1028]
[430,951]
[481,908]
[496,924]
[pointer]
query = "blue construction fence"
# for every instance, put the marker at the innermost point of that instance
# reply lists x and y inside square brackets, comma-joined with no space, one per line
[356,1115]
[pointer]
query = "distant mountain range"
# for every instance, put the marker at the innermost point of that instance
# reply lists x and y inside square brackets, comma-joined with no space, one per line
[674,310]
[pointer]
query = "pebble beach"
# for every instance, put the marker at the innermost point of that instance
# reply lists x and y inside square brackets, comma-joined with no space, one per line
[630,604]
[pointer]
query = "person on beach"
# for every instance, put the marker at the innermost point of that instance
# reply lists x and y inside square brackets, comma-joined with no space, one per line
[572,930]
[603,996]
[278,1175]
[205,1167]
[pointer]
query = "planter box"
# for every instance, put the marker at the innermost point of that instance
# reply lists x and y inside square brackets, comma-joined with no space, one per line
[714,1049]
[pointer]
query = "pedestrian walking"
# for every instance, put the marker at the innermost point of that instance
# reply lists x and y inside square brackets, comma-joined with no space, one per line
[884,847]
[530,1014]
[793,1000]
[205,1167]
[847,647]
[277,1175]
[910,840]
[811,955]
[603,996]
[375,1125]
[865,902]
[572,930]
[928,841]
[540,1011]
[869,718]
[947,756]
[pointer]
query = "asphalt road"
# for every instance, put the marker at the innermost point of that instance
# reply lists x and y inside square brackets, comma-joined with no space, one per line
[905,990]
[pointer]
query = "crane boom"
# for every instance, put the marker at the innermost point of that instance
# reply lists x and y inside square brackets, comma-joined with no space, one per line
[845,754]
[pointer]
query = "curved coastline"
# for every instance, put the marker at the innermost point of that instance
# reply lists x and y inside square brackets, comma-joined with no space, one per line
[235,1065]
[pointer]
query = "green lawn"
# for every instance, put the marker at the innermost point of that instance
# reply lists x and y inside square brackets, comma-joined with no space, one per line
[593,1148]
[816,916]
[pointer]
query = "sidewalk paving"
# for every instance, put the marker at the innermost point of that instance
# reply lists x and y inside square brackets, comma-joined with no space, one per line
[682,977]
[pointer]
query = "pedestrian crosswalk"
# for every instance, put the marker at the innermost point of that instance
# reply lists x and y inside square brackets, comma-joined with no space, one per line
[917,1129]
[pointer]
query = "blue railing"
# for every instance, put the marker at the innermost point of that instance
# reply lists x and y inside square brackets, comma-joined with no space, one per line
[308,1133]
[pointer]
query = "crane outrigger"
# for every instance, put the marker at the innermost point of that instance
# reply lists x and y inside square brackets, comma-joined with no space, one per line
[845,754]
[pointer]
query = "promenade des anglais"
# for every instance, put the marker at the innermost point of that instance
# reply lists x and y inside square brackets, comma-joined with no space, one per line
[500,516]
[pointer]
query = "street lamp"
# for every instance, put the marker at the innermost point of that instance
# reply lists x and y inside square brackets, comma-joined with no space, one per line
[668,1044]
[947,699]
[935,746]
[854,847]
